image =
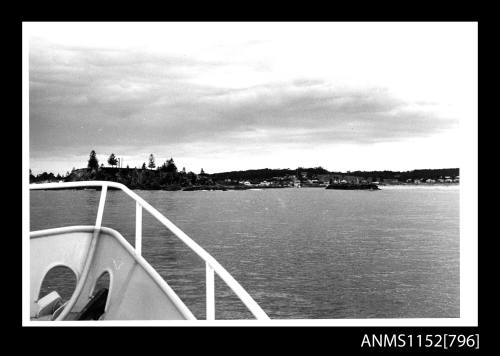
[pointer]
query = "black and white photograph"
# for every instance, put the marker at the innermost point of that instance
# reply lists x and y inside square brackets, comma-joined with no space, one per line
[250,173]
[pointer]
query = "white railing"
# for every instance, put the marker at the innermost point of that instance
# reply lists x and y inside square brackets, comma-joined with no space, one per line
[212,266]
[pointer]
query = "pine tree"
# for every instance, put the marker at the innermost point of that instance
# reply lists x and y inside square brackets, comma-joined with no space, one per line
[93,162]
[170,166]
[112,160]
[151,163]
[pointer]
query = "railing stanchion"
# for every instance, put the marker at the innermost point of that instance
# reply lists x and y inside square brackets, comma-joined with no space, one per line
[138,228]
[100,209]
[210,293]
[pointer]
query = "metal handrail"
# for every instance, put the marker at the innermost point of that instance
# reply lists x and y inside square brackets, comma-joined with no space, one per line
[212,266]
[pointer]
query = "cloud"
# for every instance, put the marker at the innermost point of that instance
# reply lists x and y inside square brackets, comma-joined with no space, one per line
[83,98]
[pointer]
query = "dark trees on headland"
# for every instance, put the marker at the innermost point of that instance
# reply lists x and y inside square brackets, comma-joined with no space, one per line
[93,163]
[165,176]
[112,160]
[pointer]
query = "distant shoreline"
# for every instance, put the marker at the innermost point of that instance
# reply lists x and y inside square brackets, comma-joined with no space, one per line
[168,178]
[213,188]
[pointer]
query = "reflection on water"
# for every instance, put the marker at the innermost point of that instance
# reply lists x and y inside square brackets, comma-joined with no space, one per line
[301,253]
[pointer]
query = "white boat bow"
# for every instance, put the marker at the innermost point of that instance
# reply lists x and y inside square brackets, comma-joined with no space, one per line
[136,291]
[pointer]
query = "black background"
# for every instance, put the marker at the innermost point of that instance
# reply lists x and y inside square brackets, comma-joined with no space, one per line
[230,340]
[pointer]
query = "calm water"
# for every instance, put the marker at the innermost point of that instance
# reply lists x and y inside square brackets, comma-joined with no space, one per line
[301,253]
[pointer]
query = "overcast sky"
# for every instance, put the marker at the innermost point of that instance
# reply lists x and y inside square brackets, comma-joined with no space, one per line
[234,96]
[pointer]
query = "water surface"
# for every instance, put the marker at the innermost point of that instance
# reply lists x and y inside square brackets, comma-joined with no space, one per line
[301,253]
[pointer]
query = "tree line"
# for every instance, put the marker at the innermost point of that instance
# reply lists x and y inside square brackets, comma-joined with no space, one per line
[405,175]
[167,175]
[93,162]
[150,176]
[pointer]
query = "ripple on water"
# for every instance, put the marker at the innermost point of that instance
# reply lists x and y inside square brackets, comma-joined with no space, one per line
[302,253]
